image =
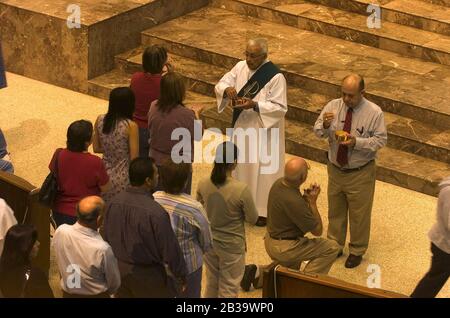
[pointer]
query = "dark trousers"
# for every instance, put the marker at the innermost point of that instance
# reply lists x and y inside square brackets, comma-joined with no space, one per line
[143,142]
[145,282]
[63,219]
[437,276]
[194,285]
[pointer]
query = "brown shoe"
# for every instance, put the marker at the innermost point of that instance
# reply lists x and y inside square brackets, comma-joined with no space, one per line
[353,261]
[262,221]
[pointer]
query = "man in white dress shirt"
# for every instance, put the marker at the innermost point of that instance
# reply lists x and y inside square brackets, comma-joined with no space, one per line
[7,219]
[86,262]
[256,89]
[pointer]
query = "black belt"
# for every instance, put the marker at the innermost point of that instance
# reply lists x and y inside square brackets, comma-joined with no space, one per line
[285,238]
[352,169]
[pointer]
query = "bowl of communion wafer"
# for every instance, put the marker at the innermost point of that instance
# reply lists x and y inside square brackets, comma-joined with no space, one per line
[341,135]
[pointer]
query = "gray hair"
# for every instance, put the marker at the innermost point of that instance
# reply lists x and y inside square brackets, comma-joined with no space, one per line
[261,42]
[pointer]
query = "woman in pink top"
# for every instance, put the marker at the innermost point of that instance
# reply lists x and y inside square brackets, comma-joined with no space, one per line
[145,86]
[167,114]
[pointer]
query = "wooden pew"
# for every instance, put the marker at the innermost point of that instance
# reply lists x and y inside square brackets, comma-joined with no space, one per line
[289,283]
[22,197]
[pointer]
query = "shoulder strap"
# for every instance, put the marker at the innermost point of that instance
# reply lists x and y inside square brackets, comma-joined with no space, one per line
[57,152]
[255,84]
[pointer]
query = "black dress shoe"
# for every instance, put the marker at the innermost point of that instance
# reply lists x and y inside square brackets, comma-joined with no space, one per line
[353,261]
[249,276]
[262,221]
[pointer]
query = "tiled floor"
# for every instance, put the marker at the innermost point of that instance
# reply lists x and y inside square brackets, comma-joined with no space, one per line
[35,116]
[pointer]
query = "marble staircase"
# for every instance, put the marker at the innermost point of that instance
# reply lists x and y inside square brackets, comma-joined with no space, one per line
[413,92]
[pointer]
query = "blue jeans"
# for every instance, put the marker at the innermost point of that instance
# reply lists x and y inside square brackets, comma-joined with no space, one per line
[6,166]
[61,219]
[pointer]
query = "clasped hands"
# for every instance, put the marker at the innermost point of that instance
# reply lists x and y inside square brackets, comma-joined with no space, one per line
[239,102]
[311,194]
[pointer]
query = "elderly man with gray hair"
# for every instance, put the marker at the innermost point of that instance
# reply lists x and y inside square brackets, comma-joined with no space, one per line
[256,91]
[86,262]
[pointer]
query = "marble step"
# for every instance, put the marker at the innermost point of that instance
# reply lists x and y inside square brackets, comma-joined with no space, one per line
[438,2]
[414,13]
[404,134]
[396,167]
[102,85]
[408,87]
[346,25]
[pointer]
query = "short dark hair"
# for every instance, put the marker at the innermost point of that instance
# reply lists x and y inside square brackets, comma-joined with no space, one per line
[121,106]
[172,92]
[226,155]
[140,169]
[153,59]
[78,134]
[174,176]
[19,242]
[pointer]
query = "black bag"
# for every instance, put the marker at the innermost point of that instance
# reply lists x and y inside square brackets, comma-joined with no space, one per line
[49,188]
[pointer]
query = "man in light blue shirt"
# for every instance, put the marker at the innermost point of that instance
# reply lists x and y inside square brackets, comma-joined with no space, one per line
[351,164]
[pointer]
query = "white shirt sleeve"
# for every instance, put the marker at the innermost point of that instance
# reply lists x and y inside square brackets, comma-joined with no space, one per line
[273,106]
[318,126]
[7,219]
[111,269]
[228,80]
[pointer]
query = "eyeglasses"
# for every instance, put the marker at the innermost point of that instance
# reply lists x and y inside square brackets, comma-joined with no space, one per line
[252,55]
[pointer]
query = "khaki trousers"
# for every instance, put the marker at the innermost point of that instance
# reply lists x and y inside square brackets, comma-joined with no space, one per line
[350,200]
[224,272]
[320,252]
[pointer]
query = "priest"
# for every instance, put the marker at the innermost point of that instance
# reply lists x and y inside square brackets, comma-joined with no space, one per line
[256,90]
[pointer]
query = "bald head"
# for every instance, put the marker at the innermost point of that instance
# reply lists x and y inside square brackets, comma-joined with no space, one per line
[352,90]
[89,209]
[296,171]
[354,82]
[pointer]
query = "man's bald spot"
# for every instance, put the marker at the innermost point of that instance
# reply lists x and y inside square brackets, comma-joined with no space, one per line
[353,82]
[90,204]
[295,170]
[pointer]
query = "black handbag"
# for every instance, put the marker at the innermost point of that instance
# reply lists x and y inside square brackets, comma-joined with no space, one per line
[49,188]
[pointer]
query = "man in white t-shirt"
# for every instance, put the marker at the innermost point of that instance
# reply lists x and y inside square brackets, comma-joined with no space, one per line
[7,219]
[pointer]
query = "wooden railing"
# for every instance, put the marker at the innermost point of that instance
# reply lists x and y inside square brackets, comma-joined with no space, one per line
[22,197]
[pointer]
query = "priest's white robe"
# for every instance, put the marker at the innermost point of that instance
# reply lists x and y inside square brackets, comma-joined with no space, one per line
[264,159]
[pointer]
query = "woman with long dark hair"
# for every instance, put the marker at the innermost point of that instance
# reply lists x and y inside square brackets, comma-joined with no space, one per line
[18,278]
[167,114]
[228,203]
[116,136]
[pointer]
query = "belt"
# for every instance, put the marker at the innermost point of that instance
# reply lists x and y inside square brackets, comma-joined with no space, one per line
[352,169]
[285,238]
